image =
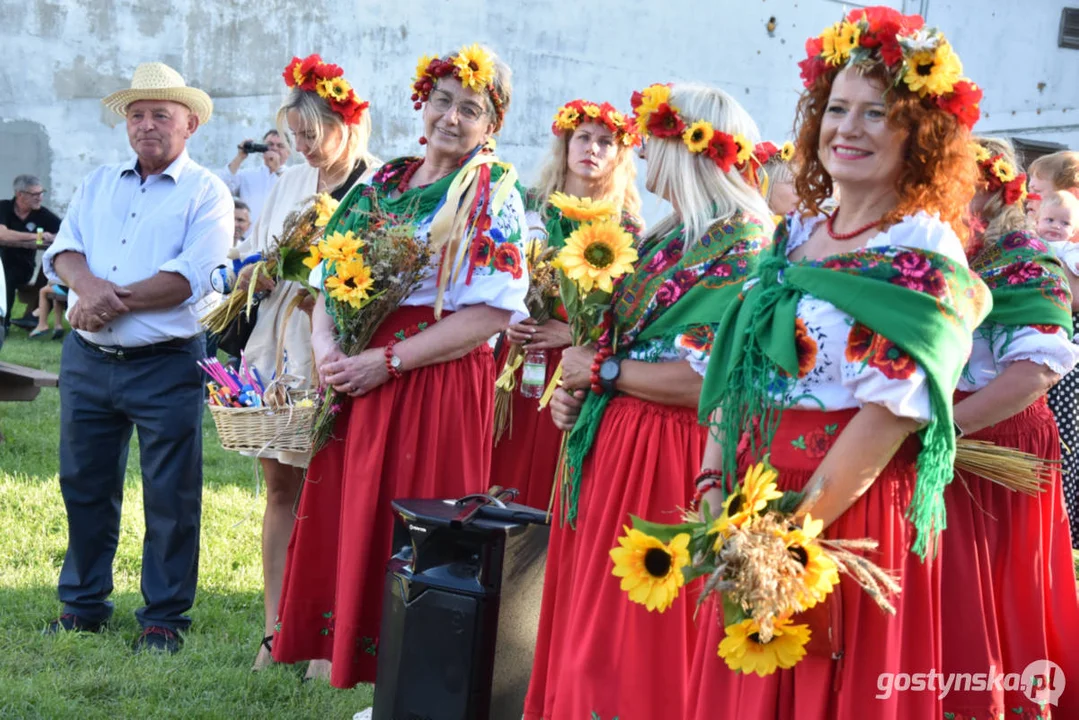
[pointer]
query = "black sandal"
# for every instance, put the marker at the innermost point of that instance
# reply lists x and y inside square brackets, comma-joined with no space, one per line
[267,642]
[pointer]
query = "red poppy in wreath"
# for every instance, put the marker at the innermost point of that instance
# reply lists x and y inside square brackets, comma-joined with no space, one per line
[807,348]
[890,360]
[483,248]
[859,340]
[508,259]
[664,122]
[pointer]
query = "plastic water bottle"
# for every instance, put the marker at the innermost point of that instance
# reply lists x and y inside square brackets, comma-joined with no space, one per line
[534,375]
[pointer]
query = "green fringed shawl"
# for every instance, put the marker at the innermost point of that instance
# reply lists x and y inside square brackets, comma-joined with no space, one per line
[924,302]
[1028,283]
[709,278]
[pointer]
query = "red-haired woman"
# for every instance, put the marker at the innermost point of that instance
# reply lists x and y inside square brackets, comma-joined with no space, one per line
[1009,599]
[853,339]
[591,157]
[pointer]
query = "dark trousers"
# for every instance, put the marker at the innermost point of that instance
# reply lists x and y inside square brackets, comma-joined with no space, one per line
[101,400]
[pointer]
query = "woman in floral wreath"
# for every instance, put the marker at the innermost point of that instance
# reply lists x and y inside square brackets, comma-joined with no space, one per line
[1008,589]
[420,414]
[777,184]
[591,157]
[635,443]
[851,338]
[330,126]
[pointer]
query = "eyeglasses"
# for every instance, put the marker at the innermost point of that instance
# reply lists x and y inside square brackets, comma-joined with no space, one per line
[470,111]
[37,194]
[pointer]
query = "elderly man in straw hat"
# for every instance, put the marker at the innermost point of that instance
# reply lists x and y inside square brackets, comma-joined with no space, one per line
[136,249]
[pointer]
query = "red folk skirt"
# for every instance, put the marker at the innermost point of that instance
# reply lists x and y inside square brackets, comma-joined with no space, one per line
[526,457]
[1008,584]
[872,641]
[424,435]
[598,654]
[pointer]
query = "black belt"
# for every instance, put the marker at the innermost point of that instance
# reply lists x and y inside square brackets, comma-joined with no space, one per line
[117,352]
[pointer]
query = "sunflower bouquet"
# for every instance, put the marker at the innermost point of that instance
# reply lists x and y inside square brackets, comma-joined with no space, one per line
[289,259]
[541,301]
[364,280]
[597,252]
[767,564]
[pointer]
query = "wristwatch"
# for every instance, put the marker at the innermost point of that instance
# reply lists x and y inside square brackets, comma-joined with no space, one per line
[609,372]
[395,362]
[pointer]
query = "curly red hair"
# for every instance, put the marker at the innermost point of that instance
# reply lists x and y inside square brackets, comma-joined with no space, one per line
[939,173]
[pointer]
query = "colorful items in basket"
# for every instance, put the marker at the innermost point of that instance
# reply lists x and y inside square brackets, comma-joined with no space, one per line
[768,562]
[244,388]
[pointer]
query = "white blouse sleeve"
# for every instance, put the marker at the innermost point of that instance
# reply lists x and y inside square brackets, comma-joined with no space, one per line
[695,346]
[922,231]
[1046,345]
[876,371]
[497,278]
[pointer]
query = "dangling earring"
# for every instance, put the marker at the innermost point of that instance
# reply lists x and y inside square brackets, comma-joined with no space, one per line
[423,140]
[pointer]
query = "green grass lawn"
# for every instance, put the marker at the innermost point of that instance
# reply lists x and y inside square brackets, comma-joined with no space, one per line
[97,676]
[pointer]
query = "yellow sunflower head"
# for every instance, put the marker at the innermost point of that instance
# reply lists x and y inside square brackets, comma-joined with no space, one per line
[758,487]
[831,46]
[421,65]
[333,89]
[582,209]
[651,98]
[651,571]
[340,246]
[698,135]
[567,118]
[820,573]
[596,253]
[786,153]
[475,67]
[592,110]
[314,257]
[350,282]
[933,71]
[745,149]
[1003,170]
[325,207]
[980,152]
[745,648]
[617,119]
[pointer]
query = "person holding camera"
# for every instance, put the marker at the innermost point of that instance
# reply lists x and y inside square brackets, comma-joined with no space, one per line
[253,185]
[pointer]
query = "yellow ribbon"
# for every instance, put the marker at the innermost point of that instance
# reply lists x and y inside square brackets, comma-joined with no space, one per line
[508,379]
[556,382]
[448,225]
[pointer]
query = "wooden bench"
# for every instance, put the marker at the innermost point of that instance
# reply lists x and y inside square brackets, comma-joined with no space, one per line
[22,384]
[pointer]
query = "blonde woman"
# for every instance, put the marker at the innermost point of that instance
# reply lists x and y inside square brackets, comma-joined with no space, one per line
[332,136]
[635,445]
[591,157]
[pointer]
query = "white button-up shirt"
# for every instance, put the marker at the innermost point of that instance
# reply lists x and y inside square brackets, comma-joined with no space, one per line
[252,185]
[129,230]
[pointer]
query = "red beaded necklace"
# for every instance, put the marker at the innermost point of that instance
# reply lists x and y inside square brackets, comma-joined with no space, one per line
[847,236]
[406,178]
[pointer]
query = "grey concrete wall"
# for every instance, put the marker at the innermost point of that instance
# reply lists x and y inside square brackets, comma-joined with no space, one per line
[60,57]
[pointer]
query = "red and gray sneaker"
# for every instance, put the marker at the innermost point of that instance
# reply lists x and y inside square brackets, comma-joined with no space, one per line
[156,638]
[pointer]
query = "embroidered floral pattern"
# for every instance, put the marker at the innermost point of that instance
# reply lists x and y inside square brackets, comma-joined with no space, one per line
[482,252]
[817,442]
[890,360]
[327,628]
[807,348]
[1046,329]
[410,331]
[859,341]
[508,259]
[368,645]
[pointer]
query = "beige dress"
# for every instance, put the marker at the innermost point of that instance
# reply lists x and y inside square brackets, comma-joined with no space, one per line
[293,190]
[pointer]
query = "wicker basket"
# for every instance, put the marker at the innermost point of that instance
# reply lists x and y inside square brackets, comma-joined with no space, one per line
[261,429]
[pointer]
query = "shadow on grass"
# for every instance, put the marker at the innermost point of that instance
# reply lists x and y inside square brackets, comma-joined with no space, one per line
[78,675]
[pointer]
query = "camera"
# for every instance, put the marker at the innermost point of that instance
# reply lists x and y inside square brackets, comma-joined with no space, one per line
[254,147]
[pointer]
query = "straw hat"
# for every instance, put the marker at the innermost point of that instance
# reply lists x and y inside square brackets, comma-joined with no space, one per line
[157,81]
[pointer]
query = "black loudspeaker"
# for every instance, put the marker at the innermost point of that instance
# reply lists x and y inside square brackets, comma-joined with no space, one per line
[460,610]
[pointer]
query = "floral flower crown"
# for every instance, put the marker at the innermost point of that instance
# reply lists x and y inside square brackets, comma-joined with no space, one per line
[998,173]
[920,58]
[326,79]
[654,115]
[473,65]
[765,152]
[570,116]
